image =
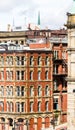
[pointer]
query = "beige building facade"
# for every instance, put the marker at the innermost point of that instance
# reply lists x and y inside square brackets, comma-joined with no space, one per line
[71,69]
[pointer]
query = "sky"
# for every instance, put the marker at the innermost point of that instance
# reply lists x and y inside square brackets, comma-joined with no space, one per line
[22,12]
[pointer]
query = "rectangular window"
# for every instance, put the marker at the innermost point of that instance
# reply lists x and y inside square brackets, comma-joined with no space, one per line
[17,60]
[22,75]
[39,60]
[31,60]
[55,54]
[22,91]
[22,107]
[18,75]
[55,85]
[9,75]
[55,104]
[55,69]
[22,60]
[18,107]
[18,90]
[9,60]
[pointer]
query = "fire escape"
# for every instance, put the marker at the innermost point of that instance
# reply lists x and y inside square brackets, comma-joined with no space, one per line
[59,82]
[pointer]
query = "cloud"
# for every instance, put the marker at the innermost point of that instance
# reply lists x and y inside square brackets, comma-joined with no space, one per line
[52,13]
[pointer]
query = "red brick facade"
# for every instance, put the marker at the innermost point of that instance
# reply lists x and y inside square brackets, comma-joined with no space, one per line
[33,88]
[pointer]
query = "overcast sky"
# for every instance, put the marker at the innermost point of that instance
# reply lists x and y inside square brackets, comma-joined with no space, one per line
[22,12]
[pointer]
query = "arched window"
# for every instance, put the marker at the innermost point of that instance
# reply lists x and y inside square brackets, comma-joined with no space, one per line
[31,90]
[46,90]
[46,105]
[31,106]
[46,75]
[31,75]
[1,106]
[11,90]
[39,75]
[39,106]
[39,91]
[11,107]
[17,107]
[8,107]
[7,91]
[2,90]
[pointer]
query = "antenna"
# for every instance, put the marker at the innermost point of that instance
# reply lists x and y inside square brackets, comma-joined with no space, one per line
[38,17]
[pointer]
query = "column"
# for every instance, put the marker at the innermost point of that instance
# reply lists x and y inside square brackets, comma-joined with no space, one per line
[25,127]
[6,124]
[35,123]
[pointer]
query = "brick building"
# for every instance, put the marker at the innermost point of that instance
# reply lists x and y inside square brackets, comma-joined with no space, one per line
[33,89]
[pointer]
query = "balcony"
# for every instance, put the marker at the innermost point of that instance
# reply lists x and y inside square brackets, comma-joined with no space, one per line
[57,58]
[56,91]
[62,73]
